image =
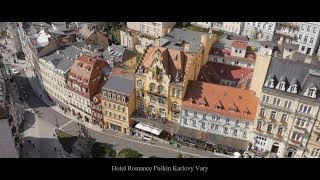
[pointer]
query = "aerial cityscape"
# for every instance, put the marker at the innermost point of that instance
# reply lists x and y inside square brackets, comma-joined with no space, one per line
[159,90]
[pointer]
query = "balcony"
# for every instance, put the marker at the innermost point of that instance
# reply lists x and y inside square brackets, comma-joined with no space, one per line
[317,129]
[284,123]
[154,93]
[279,137]
[176,110]
[285,33]
[299,128]
[294,142]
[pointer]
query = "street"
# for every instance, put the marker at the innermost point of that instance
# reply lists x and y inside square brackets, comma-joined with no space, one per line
[39,127]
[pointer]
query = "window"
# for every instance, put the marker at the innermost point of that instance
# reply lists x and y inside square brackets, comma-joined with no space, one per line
[236,63]
[314,29]
[185,121]
[284,117]
[124,118]
[264,26]
[269,129]
[195,113]
[139,83]
[227,120]
[302,48]
[273,115]
[215,59]
[109,105]
[248,65]
[109,95]
[276,101]
[263,112]
[161,89]
[265,98]
[300,122]
[311,40]
[305,109]
[244,134]
[152,87]
[293,89]
[311,92]
[281,86]
[203,125]
[123,109]
[223,60]
[237,122]
[153,99]
[280,130]
[173,93]
[204,116]
[259,125]
[247,124]
[305,39]
[119,108]
[216,127]
[118,98]
[259,24]
[119,117]
[269,29]
[194,123]
[236,50]
[114,106]
[186,112]
[300,36]
[235,132]
[113,96]
[225,130]
[315,152]
[110,114]
[178,93]
[240,51]
[212,126]
[287,104]
[318,138]
[308,28]
[162,101]
[296,136]
[218,118]
[302,27]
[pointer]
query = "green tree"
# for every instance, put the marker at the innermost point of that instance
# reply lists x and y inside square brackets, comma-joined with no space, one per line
[102,150]
[179,155]
[153,157]
[129,153]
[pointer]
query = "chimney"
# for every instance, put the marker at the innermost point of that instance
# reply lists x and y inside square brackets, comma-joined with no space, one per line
[186,47]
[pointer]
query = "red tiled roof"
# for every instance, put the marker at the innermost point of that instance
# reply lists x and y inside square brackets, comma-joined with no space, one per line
[173,60]
[239,44]
[94,75]
[213,72]
[243,100]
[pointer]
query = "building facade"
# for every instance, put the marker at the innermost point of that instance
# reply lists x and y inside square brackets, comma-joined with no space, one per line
[118,102]
[155,29]
[84,82]
[91,34]
[230,27]
[225,114]
[308,37]
[313,146]
[286,32]
[54,68]
[260,30]
[288,108]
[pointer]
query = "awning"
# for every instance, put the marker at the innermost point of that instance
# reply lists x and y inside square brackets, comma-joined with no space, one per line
[148,128]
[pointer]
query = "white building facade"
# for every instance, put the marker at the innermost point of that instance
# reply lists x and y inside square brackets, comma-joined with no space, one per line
[230,27]
[308,37]
[259,30]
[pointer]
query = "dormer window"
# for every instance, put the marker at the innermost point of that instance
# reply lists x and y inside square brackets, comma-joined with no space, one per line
[281,86]
[219,105]
[118,98]
[109,95]
[293,89]
[311,92]
[216,52]
[270,83]
[123,99]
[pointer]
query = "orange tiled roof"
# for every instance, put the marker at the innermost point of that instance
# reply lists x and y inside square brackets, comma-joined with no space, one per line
[94,75]
[239,44]
[173,60]
[226,97]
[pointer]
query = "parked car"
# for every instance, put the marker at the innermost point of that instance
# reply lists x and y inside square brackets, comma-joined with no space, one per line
[14,71]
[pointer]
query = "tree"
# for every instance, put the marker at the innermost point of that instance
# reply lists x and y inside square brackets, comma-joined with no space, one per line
[179,155]
[153,157]
[102,150]
[129,153]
